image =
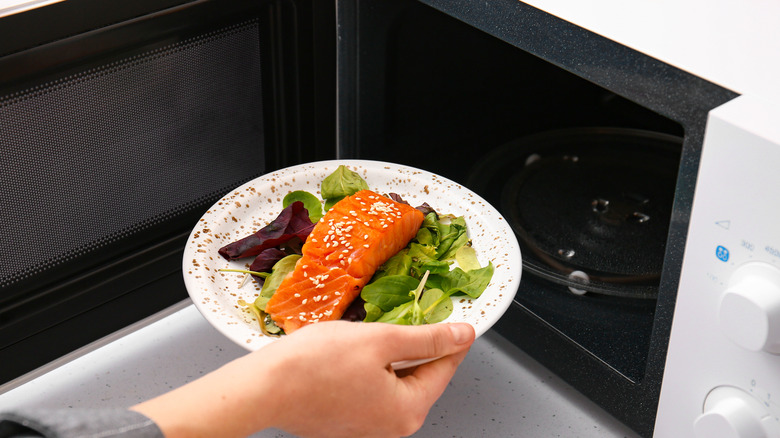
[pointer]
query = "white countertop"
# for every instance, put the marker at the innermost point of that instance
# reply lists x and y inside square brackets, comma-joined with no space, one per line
[497,392]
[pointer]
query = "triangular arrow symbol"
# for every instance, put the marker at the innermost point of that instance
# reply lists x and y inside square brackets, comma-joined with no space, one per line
[723,224]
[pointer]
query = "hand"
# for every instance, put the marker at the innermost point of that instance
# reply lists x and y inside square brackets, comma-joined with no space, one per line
[331,379]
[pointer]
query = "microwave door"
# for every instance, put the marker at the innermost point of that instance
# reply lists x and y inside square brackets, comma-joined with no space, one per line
[119,127]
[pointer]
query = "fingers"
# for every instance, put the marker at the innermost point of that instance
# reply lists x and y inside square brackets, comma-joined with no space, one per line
[428,341]
[462,333]
[426,383]
[437,374]
[424,386]
[387,343]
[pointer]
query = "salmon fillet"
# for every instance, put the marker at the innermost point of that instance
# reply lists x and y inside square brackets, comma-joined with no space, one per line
[343,251]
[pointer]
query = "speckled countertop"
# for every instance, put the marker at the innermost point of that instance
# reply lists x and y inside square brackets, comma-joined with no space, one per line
[497,392]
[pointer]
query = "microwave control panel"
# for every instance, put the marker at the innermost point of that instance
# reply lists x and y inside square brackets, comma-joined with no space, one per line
[722,373]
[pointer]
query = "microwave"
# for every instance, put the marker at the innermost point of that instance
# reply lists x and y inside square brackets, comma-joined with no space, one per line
[641,193]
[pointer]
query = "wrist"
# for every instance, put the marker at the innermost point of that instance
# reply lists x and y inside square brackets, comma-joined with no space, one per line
[233,400]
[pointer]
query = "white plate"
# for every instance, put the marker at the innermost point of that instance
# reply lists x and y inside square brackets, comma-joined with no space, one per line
[256,203]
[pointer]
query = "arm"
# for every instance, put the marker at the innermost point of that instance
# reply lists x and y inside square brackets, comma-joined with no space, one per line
[325,380]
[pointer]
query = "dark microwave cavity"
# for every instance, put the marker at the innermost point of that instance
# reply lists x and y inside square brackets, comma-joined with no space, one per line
[460,102]
[502,98]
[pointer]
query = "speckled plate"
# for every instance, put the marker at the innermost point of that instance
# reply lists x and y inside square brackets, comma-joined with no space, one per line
[256,203]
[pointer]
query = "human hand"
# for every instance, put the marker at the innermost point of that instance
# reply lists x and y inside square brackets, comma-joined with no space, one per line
[331,379]
[339,382]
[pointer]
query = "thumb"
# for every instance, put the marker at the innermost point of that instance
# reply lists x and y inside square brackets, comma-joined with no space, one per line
[429,341]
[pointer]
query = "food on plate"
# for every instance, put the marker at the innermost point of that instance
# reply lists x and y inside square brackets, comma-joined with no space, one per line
[292,222]
[369,258]
[357,235]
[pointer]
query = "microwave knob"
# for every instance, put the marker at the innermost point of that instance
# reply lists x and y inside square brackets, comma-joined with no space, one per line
[749,312]
[730,412]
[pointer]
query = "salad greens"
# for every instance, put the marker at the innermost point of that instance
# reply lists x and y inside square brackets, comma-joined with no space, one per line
[396,295]
[424,308]
[340,184]
[310,202]
[389,291]
[271,283]
[280,270]
[292,222]
[413,287]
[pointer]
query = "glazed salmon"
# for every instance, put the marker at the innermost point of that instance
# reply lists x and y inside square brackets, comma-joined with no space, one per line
[340,255]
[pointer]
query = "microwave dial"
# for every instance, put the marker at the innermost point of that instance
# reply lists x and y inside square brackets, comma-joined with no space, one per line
[730,412]
[749,310]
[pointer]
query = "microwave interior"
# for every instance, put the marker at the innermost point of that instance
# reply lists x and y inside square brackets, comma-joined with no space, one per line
[119,128]
[574,139]
[585,176]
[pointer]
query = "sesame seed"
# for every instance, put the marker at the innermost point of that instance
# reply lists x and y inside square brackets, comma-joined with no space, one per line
[304,301]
